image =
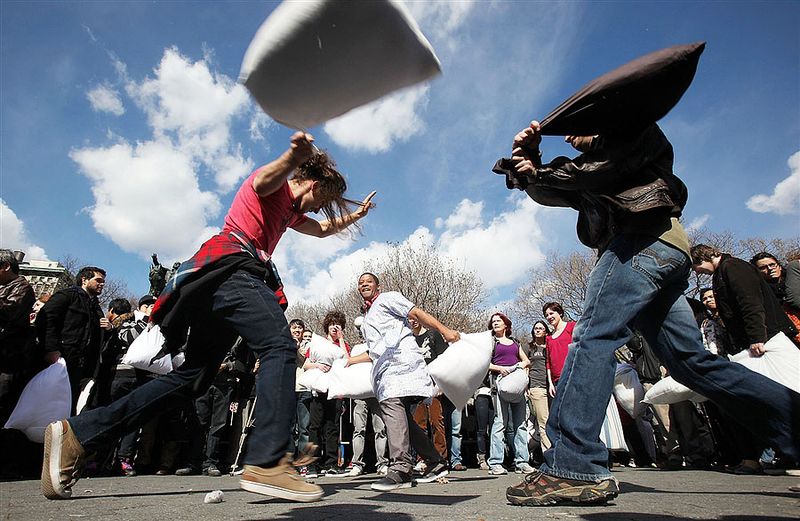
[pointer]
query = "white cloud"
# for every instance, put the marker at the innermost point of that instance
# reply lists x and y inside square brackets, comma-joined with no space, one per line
[105,99]
[502,250]
[147,198]
[377,126]
[698,222]
[148,195]
[499,252]
[396,118]
[785,198]
[466,214]
[13,235]
[441,20]
[189,103]
[258,123]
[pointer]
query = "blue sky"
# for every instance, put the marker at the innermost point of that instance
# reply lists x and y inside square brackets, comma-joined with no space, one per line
[123,132]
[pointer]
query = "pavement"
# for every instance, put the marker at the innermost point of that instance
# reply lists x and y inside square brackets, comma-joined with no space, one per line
[647,495]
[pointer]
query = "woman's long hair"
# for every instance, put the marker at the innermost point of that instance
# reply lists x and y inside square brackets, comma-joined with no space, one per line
[332,185]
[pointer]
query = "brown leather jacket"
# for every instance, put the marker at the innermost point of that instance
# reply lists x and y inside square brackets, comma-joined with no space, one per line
[16,303]
[623,183]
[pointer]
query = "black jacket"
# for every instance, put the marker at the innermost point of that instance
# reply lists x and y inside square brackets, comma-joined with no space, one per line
[70,322]
[623,183]
[749,309]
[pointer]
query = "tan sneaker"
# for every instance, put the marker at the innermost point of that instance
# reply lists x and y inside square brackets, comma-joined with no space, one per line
[63,460]
[280,481]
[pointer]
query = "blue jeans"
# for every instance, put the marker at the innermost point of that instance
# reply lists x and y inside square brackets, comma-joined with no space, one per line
[302,418]
[639,282]
[452,430]
[242,305]
[509,425]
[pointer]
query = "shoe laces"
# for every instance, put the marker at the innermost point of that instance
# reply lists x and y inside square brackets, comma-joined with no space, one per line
[533,477]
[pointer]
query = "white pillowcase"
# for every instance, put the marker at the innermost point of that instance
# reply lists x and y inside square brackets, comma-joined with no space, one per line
[46,398]
[460,370]
[314,60]
[354,381]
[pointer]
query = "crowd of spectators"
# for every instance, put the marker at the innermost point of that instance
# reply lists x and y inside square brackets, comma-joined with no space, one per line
[747,304]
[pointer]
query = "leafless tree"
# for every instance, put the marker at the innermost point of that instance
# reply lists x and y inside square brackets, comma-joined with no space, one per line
[114,287]
[427,278]
[563,278]
[727,242]
[433,282]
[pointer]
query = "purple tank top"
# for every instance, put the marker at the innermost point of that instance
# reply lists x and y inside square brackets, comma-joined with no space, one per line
[505,355]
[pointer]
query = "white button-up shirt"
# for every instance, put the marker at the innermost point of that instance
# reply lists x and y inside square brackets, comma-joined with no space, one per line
[399,367]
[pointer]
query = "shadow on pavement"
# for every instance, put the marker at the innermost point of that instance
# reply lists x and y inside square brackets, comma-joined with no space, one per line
[631,487]
[635,516]
[424,499]
[355,512]
[161,493]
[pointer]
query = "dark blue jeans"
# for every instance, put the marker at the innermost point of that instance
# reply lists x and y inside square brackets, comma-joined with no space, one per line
[639,282]
[242,305]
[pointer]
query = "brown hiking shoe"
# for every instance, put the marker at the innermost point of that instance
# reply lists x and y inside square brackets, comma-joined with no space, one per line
[63,460]
[539,489]
[280,481]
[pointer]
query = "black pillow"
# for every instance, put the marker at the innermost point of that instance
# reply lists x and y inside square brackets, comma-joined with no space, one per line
[629,98]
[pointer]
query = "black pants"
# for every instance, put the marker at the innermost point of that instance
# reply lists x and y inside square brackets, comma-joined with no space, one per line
[693,433]
[323,427]
[483,414]
[212,414]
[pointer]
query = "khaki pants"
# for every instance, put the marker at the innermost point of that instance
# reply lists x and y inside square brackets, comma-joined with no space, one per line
[537,398]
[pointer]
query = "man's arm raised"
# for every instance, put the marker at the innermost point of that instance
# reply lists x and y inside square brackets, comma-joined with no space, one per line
[271,176]
[429,322]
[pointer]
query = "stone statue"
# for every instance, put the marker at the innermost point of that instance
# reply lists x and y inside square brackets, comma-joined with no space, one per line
[171,273]
[158,277]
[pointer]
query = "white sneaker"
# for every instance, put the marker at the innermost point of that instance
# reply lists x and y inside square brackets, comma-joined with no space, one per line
[524,468]
[420,467]
[497,470]
[383,470]
[357,470]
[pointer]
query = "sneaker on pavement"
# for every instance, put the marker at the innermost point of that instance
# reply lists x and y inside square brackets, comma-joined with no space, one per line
[63,460]
[127,467]
[335,472]
[312,472]
[183,471]
[392,481]
[458,467]
[382,470]
[212,471]
[435,471]
[306,455]
[357,470]
[539,489]
[497,470]
[280,481]
[524,468]
[420,467]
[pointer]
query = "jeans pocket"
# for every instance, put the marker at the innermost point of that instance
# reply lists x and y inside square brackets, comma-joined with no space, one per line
[658,262]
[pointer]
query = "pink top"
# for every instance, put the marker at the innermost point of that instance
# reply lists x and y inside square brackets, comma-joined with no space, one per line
[557,349]
[263,219]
